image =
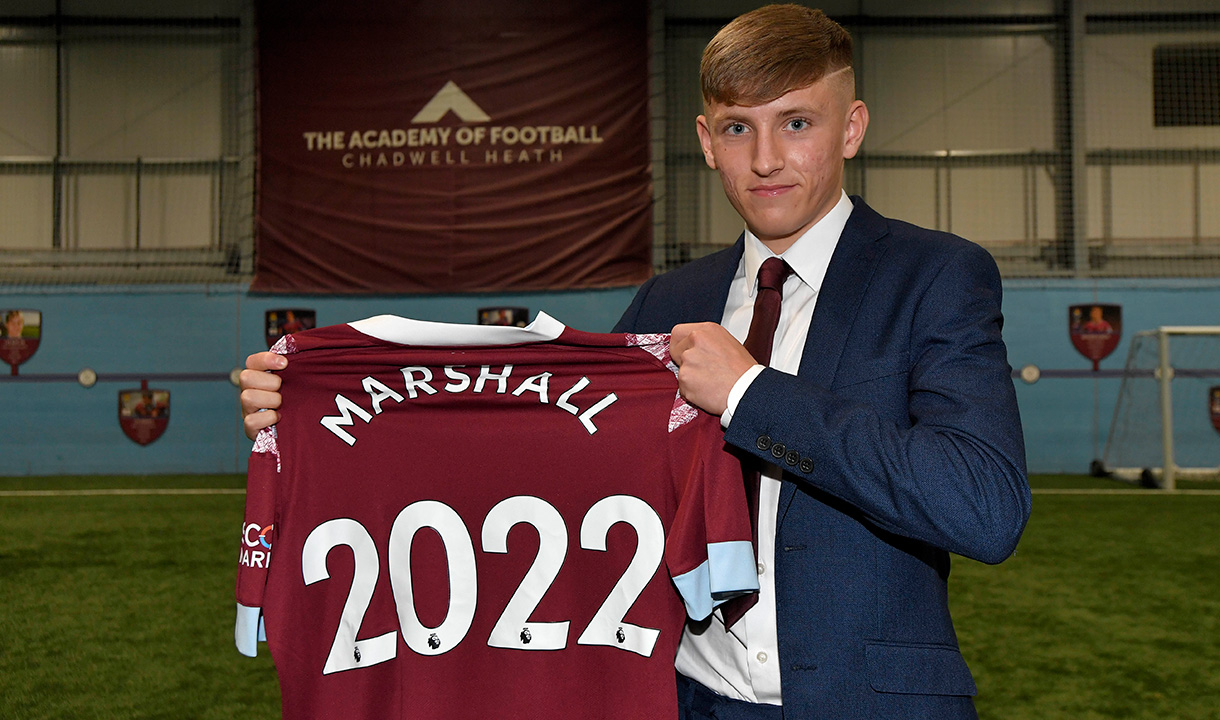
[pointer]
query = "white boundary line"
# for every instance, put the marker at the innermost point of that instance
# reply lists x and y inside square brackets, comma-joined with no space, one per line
[242,491]
[1133,491]
[123,491]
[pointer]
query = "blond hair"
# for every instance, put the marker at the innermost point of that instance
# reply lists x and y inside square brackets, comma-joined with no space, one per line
[771,51]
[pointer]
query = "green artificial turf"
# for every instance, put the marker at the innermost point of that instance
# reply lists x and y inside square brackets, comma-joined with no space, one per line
[121,606]
[1108,610]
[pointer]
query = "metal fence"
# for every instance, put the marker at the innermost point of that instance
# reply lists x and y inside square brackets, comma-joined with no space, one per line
[127,153]
[1066,144]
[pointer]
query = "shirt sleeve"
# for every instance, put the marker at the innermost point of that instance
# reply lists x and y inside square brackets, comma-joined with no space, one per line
[739,388]
[257,535]
[709,551]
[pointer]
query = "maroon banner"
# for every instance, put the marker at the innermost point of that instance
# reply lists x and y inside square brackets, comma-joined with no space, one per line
[1095,329]
[1213,406]
[452,147]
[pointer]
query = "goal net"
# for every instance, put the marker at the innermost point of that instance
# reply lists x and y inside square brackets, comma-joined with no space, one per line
[1163,428]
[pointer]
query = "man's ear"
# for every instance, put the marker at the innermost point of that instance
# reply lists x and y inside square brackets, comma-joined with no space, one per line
[857,124]
[705,141]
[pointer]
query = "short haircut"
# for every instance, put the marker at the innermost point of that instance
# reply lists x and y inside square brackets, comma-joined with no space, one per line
[771,51]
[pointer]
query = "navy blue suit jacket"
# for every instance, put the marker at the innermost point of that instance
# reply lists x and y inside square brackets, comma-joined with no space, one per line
[908,447]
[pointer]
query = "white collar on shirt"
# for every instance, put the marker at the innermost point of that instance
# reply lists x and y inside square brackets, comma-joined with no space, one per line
[810,255]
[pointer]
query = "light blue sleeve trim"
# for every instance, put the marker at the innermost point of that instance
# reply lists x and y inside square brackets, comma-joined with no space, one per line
[249,630]
[733,571]
[694,589]
[728,572]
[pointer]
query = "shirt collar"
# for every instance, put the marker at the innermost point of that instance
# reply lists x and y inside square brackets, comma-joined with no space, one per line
[810,255]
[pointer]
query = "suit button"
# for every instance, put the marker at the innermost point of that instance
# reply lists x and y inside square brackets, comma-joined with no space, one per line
[763,442]
[778,450]
[792,458]
[806,465]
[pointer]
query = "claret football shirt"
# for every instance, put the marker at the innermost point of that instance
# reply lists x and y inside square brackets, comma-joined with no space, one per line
[455,521]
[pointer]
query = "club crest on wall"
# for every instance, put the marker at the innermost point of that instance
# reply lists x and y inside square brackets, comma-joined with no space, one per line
[19,335]
[1095,329]
[1213,406]
[513,316]
[143,413]
[287,321]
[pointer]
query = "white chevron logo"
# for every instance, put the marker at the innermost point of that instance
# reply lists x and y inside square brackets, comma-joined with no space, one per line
[452,98]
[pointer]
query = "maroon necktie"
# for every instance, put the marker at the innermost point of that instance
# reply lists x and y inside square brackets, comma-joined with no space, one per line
[771,277]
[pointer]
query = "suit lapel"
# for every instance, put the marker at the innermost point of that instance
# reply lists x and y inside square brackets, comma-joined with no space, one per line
[847,279]
[843,290]
[709,304]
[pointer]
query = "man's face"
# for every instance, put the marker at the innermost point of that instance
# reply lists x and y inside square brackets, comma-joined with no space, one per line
[782,162]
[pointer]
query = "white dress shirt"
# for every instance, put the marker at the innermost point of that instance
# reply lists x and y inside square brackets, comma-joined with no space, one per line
[744,662]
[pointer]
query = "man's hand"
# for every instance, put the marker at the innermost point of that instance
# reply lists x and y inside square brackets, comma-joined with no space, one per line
[709,361]
[261,390]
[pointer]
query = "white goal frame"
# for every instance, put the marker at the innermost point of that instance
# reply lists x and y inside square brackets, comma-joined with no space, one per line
[1169,472]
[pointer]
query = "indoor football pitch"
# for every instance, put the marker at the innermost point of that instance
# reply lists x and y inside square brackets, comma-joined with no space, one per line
[116,601]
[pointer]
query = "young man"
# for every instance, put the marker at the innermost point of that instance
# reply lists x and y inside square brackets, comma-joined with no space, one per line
[887,415]
[885,420]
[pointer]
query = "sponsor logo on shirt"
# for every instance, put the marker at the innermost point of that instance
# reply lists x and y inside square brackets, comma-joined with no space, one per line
[256,545]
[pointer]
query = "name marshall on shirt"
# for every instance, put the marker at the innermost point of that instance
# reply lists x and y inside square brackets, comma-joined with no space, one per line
[419,379]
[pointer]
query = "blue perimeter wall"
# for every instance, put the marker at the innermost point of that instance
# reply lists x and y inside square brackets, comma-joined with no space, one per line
[52,425]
